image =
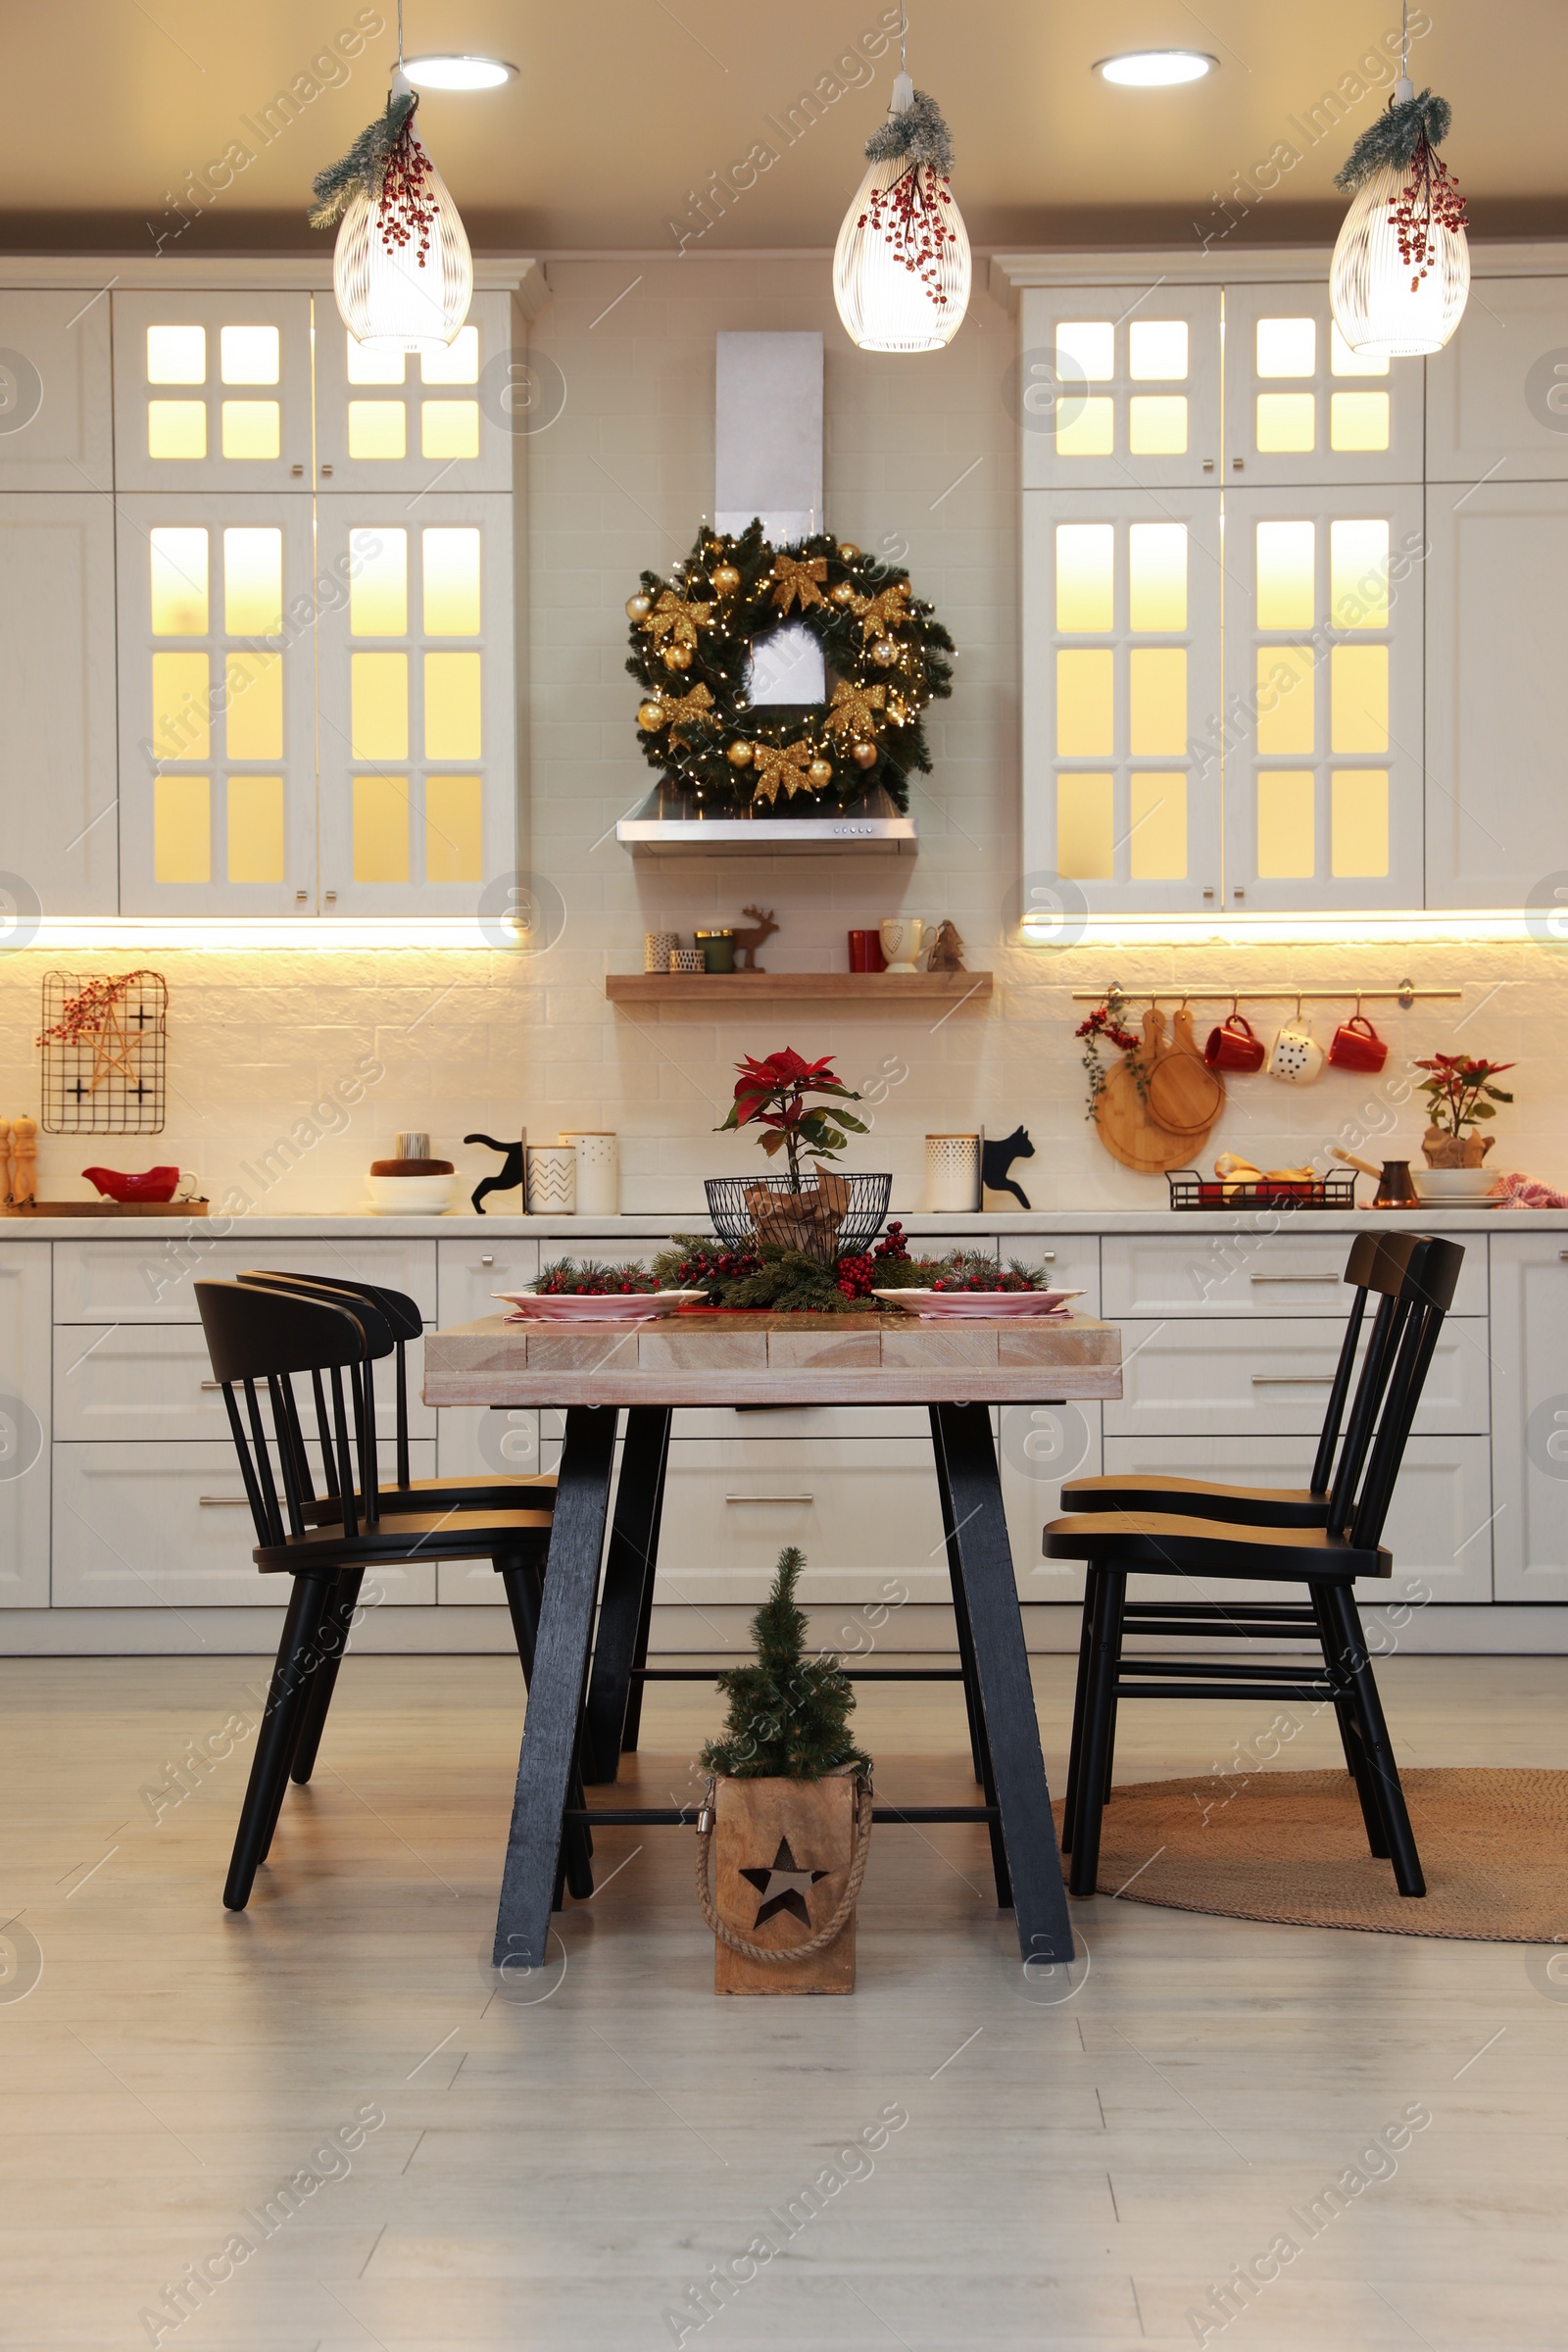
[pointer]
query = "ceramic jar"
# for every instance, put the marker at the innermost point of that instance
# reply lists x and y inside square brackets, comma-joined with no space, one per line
[552,1180]
[952,1172]
[597,1173]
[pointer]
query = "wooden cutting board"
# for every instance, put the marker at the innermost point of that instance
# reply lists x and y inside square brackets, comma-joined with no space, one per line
[1183,1094]
[1127,1127]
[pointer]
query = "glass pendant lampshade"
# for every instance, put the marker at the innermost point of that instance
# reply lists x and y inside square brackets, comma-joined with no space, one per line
[401,270]
[901,268]
[1387,304]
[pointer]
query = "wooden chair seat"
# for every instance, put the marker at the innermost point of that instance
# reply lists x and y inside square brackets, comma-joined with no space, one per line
[440,1495]
[1255,1506]
[404,1535]
[1168,1546]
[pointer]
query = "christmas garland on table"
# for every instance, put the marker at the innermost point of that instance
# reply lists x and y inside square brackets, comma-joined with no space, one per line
[773,1279]
[691,638]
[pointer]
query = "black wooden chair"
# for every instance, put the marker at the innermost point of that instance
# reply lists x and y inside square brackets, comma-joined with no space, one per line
[394,1319]
[261,1339]
[1172,1533]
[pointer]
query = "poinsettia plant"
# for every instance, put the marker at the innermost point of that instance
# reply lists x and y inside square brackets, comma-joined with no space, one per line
[771,1094]
[1460,1091]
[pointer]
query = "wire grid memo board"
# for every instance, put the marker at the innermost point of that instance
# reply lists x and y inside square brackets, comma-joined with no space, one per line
[104,1048]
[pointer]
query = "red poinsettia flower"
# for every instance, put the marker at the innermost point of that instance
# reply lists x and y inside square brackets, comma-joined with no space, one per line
[772,1093]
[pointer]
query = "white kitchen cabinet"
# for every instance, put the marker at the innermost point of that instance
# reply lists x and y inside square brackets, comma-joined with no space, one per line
[1301,407]
[1530,1414]
[153,1380]
[24,1426]
[1439,1527]
[864,1511]
[1324,644]
[1496,825]
[1497,393]
[148,1281]
[417,737]
[56,430]
[432,420]
[1121,686]
[212,391]
[217,603]
[59,788]
[1119,386]
[167,1526]
[1271,1379]
[1291,1272]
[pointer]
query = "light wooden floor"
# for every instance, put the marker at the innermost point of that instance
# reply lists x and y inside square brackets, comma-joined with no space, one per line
[560,2171]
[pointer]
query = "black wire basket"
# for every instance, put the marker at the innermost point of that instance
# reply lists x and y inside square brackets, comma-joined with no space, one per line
[1189,1190]
[829,1216]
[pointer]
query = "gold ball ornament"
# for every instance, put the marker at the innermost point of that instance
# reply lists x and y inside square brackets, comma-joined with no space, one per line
[649,716]
[638,608]
[843,593]
[739,755]
[864,755]
[849,551]
[821,773]
[677,656]
[726,578]
[884,652]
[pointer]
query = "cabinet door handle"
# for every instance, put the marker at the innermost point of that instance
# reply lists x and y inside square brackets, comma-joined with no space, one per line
[1302,1277]
[209,1385]
[1292,1380]
[1562,1253]
[222,1502]
[770,1499]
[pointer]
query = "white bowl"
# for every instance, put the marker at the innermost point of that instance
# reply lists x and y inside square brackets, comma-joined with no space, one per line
[1453,1184]
[412,1195]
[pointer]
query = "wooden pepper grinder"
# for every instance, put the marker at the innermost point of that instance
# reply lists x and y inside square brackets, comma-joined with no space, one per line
[5,1162]
[24,1163]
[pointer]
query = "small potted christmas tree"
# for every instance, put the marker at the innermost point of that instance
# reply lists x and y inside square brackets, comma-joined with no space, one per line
[790,1815]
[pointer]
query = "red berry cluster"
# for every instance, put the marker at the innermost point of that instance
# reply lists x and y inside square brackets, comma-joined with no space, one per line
[892,1249]
[1429,199]
[588,1281]
[907,217]
[857,1275]
[705,1269]
[407,210]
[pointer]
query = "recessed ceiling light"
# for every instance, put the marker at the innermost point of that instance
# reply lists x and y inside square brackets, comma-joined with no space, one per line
[458,72]
[1156,69]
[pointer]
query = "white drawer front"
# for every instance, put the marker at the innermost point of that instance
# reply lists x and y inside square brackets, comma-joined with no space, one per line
[1439,1525]
[1299,1272]
[142,1380]
[24,1351]
[1038,1447]
[150,1281]
[1272,1377]
[470,1272]
[132,1532]
[862,1510]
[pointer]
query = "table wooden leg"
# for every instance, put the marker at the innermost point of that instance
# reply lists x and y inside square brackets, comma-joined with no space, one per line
[554,1695]
[963,1434]
[628,1577]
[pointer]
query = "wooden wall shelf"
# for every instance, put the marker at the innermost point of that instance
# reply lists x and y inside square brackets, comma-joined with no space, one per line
[854,988]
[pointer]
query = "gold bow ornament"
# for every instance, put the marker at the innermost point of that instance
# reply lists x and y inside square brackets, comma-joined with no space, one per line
[879,616]
[778,764]
[690,710]
[676,620]
[854,710]
[793,581]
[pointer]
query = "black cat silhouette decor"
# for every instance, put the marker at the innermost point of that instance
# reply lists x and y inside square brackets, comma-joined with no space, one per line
[997,1158]
[510,1175]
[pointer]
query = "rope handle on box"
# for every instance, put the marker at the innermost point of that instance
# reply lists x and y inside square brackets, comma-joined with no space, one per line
[825,1934]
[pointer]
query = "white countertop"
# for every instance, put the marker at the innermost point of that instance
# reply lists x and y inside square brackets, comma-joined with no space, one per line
[569,1233]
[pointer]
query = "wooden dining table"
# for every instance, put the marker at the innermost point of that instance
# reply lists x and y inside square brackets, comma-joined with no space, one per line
[587,1662]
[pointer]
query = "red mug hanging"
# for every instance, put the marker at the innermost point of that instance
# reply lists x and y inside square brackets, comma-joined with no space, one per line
[1357,1046]
[1232,1046]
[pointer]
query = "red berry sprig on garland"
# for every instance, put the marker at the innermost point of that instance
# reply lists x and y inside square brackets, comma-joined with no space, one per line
[407,210]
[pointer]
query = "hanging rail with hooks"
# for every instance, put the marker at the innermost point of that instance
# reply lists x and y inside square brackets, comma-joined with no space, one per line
[1405,993]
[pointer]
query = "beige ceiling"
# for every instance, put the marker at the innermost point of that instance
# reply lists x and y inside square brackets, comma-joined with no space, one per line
[622,109]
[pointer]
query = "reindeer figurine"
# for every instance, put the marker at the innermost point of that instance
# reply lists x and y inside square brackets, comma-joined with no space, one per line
[748,942]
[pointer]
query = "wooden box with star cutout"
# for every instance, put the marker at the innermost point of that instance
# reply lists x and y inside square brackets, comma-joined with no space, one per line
[782,1851]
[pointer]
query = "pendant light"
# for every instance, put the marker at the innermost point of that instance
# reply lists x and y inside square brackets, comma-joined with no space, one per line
[901,269]
[402,270]
[1400,274]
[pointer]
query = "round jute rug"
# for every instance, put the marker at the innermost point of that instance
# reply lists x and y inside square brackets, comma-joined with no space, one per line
[1290,1847]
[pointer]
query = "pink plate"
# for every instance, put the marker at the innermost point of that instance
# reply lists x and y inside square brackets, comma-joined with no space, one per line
[614,1306]
[976,1305]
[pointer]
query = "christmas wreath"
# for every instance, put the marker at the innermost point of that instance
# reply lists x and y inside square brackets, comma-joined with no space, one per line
[885,654]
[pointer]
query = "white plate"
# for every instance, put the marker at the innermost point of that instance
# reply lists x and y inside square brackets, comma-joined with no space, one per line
[978,1305]
[404,1208]
[1471,1186]
[610,1306]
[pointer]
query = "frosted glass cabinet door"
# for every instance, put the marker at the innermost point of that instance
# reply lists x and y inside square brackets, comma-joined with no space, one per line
[217,705]
[1119,385]
[1323,656]
[56,413]
[1497,753]
[1301,406]
[1498,394]
[24,1403]
[447,419]
[211,392]
[59,826]
[1121,696]
[418,734]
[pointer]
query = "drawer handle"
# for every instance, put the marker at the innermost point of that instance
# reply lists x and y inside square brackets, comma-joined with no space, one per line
[1292,1380]
[770,1499]
[208,1385]
[1293,1278]
[224,1502]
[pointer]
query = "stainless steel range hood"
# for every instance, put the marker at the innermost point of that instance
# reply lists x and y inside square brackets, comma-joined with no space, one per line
[673,821]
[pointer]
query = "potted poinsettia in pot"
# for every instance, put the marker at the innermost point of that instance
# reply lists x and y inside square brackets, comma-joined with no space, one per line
[787,1813]
[816,1211]
[1460,1094]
